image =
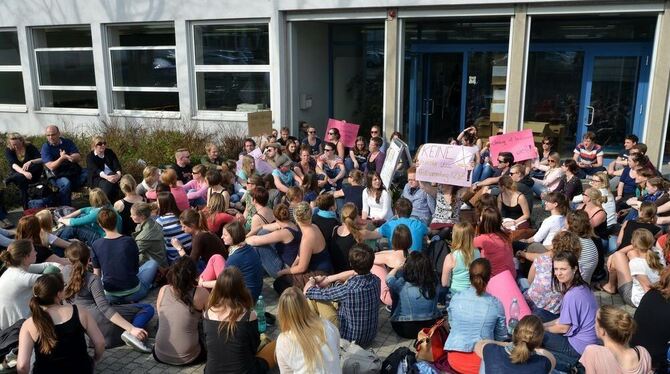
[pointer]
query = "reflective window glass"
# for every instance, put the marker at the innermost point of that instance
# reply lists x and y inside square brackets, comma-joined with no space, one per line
[9,48]
[232,45]
[66,68]
[155,101]
[144,68]
[225,91]
[11,88]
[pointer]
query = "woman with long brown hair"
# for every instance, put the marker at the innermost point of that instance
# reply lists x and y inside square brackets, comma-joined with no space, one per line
[307,343]
[231,329]
[494,243]
[376,200]
[29,228]
[204,244]
[345,236]
[56,333]
[85,289]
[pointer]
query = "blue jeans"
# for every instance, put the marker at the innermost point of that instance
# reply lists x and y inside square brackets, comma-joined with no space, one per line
[539,188]
[65,187]
[560,347]
[349,165]
[6,238]
[481,172]
[146,275]
[79,232]
[543,314]
[583,172]
[270,260]
[143,317]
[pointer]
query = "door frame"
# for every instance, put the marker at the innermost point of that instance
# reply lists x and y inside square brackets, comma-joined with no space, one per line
[591,50]
[418,56]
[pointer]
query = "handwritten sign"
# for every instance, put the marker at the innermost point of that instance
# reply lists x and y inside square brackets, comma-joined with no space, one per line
[446,164]
[520,143]
[348,131]
[260,123]
[394,153]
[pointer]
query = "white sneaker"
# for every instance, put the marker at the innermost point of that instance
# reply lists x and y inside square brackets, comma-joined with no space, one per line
[465,206]
[134,343]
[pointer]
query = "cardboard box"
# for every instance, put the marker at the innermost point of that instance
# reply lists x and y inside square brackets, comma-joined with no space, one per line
[260,123]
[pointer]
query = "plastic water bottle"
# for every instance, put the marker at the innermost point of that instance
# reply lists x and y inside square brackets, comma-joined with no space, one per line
[513,316]
[260,312]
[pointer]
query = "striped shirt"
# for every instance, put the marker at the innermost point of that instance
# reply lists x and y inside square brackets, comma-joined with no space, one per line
[588,259]
[589,156]
[172,229]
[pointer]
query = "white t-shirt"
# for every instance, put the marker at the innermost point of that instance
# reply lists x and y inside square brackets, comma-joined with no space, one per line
[639,266]
[291,360]
[549,227]
[379,210]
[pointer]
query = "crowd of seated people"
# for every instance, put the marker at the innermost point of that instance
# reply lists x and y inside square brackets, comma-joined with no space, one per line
[340,248]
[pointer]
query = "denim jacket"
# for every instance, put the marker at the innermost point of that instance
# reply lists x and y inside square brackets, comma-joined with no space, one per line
[408,302]
[473,318]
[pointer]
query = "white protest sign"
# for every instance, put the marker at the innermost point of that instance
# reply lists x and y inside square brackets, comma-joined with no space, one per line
[393,155]
[446,164]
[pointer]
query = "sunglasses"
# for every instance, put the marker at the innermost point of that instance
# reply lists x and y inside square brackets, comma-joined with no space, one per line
[546,143]
[502,161]
[374,132]
[99,144]
[311,132]
[552,161]
[328,149]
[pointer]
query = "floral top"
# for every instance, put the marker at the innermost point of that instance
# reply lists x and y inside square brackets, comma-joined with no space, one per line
[540,292]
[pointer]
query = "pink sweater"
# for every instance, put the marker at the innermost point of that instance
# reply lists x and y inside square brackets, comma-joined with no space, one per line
[179,196]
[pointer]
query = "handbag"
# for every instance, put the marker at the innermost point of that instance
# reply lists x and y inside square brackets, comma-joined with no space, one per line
[356,360]
[429,343]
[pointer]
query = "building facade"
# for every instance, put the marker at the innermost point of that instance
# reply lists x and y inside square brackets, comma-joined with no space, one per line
[560,68]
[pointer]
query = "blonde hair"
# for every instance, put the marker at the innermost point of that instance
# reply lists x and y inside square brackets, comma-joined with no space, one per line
[15,135]
[127,184]
[617,323]
[46,220]
[643,241]
[302,213]
[603,178]
[348,216]
[527,336]
[97,198]
[95,140]
[149,172]
[210,146]
[303,325]
[462,238]
[247,163]
[596,196]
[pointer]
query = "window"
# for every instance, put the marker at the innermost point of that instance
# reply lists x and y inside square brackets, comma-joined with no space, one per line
[65,74]
[11,89]
[232,67]
[143,68]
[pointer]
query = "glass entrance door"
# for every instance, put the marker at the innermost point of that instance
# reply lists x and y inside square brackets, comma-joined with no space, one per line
[615,92]
[441,97]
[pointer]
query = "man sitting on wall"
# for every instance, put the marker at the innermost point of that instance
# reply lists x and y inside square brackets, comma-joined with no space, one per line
[589,156]
[61,156]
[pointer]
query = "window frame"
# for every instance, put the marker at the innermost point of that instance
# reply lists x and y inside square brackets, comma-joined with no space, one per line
[20,108]
[39,103]
[229,115]
[113,89]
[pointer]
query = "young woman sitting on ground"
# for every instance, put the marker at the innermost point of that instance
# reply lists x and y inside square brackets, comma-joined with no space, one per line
[82,224]
[127,185]
[84,289]
[180,304]
[279,244]
[29,228]
[204,244]
[455,273]
[523,355]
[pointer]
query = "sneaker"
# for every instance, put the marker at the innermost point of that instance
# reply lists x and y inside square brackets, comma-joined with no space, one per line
[134,343]
[465,206]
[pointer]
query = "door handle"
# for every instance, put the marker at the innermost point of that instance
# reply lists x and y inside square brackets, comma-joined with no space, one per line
[590,110]
[432,106]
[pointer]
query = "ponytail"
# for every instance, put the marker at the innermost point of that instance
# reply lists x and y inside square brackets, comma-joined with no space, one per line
[527,336]
[653,260]
[194,219]
[45,292]
[348,215]
[78,254]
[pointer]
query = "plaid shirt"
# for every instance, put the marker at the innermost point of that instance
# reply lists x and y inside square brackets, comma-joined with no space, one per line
[358,308]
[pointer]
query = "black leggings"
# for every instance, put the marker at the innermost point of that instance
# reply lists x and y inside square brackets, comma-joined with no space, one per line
[410,329]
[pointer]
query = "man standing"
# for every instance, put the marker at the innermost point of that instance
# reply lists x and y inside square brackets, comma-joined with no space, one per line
[61,157]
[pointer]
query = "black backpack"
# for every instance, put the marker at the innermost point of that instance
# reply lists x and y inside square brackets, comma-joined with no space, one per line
[393,361]
[438,250]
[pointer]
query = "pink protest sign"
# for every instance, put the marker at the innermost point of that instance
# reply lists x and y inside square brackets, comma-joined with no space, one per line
[520,143]
[348,131]
[446,164]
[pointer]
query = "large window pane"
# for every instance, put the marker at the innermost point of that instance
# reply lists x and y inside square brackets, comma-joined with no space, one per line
[232,45]
[224,91]
[11,88]
[69,99]
[66,68]
[9,48]
[144,68]
[159,101]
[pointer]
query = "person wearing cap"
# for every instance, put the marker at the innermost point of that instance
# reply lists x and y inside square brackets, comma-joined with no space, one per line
[272,151]
[283,175]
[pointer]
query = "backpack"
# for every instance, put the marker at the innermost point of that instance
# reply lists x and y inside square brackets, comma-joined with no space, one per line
[356,360]
[437,251]
[429,343]
[398,361]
